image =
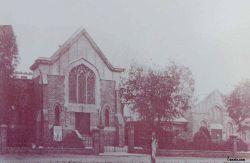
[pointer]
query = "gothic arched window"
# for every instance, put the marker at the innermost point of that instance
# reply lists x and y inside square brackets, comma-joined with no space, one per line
[106,120]
[82,85]
[90,87]
[82,88]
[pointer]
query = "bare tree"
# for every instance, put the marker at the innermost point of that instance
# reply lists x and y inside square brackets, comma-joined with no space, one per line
[158,96]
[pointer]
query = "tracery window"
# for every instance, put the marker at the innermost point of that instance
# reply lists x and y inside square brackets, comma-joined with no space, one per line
[82,85]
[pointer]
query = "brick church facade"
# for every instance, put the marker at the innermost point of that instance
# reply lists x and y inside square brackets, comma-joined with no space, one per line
[76,91]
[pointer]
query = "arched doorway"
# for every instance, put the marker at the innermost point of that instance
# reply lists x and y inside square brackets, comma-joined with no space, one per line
[82,123]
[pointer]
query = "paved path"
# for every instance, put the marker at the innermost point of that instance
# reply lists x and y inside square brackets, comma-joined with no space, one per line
[102,159]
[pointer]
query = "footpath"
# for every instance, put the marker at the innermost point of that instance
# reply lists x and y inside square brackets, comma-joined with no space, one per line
[116,157]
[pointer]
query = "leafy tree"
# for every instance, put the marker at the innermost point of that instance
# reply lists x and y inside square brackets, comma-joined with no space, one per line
[158,96]
[238,105]
[8,62]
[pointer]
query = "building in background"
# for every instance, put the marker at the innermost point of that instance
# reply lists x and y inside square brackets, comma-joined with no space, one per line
[212,113]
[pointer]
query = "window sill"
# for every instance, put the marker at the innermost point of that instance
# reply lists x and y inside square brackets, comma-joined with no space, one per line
[85,108]
[109,128]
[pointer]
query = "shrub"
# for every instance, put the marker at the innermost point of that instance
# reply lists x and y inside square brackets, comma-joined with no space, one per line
[241,145]
[202,139]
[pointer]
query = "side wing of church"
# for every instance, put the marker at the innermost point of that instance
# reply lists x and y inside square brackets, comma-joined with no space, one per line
[77,91]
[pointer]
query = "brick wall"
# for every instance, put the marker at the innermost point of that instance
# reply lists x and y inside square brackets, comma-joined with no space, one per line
[186,153]
[53,96]
[108,98]
[194,153]
[38,107]
[23,150]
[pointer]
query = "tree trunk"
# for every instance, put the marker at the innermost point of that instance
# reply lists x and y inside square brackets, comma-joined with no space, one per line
[153,147]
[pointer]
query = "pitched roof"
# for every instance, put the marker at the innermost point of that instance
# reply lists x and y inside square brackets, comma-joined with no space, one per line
[215,98]
[67,44]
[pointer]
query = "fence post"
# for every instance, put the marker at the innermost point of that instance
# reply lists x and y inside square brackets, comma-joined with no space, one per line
[96,143]
[3,135]
[131,137]
[234,137]
[101,138]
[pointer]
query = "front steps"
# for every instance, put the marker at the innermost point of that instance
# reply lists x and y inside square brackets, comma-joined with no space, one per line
[108,149]
[87,140]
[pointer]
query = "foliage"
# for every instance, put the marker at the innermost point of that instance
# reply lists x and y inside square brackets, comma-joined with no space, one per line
[202,138]
[201,141]
[166,139]
[182,140]
[158,96]
[8,61]
[21,94]
[241,145]
[238,105]
[8,50]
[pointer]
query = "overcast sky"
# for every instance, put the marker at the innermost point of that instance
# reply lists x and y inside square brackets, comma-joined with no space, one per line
[211,37]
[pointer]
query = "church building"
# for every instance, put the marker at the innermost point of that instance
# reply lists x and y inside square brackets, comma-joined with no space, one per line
[77,91]
[212,113]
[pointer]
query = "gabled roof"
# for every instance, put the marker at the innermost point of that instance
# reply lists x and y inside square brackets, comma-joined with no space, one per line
[71,41]
[215,98]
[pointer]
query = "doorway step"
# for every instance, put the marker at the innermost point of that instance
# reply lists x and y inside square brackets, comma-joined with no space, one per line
[108,149]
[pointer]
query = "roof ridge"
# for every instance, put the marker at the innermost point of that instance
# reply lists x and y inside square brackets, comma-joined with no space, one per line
[67,44]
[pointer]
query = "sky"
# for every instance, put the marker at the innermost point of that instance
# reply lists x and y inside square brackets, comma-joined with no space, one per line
[211,37]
